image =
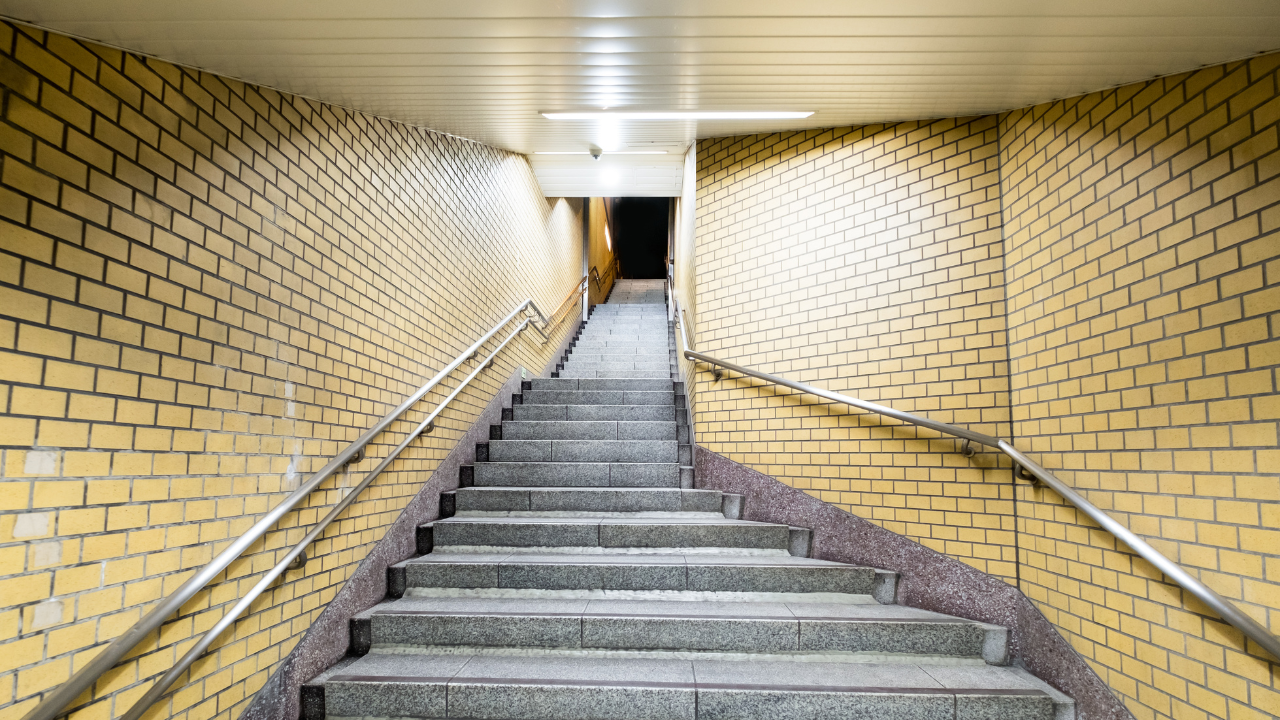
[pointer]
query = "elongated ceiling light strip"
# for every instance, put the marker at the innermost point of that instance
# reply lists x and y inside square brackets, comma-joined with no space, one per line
[676,115]
[584,152]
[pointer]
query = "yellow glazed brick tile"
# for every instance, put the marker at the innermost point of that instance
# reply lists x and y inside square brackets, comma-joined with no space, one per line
[1111,390]
[181,328]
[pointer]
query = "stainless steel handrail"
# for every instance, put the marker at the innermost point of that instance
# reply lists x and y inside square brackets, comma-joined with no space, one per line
[613,268]
[1226,609]
[674,314]
[425,427]
[53,703]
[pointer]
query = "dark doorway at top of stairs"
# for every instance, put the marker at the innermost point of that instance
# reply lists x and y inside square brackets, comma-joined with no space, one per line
[640,236]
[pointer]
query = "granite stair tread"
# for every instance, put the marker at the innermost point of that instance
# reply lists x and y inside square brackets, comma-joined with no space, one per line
[558,685]
[577,573]
[600,531]
[709,625]
[686,572]
[586,499]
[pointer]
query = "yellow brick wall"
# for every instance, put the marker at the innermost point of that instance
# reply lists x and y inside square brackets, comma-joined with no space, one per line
[1144,340]
[600,252]
[684,264]
[1134,235]
[206,290]
[866,261]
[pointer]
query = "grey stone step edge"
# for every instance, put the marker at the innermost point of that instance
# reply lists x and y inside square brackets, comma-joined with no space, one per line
[740,632]
[449,693]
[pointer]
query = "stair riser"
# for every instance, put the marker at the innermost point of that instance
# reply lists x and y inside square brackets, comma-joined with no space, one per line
[590,430]
[570,384]
[478,499]
[678,633]
[584,413]
[616,367]
[629,374]
[624,397]
[607,535]
[499,700]
[640,475]
[648,576]
[657,340]
[593,451]
[587,357]
[606,347]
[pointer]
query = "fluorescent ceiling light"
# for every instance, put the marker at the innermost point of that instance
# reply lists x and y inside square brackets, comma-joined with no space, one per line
[678,115]
[584,152]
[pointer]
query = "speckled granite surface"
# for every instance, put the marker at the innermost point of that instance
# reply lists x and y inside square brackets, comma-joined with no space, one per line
[326,641]
[927,579]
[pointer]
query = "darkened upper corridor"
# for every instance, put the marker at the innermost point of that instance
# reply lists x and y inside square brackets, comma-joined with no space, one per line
[640,228]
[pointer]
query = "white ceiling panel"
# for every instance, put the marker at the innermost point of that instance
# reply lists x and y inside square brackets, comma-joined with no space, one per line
[484,69]
[610,176]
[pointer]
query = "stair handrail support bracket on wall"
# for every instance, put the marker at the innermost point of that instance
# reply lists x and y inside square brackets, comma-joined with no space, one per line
[1029,469]
[53,703]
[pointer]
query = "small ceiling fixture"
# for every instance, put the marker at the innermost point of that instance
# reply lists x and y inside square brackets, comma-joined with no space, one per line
[676,115]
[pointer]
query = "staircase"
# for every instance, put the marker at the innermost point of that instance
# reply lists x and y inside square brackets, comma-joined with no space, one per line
[577,575]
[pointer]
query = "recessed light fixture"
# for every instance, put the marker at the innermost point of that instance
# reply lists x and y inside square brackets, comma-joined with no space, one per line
[584,152]
[676,115]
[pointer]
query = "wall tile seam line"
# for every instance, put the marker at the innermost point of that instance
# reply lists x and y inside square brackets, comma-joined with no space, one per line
[247,83]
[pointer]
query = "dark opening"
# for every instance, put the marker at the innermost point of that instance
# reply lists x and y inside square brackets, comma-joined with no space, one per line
[640,236]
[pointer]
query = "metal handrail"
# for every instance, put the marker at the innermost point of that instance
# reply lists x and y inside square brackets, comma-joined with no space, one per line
[673,313]
[576,292]
[1226,609]
[52,704]
[613,268]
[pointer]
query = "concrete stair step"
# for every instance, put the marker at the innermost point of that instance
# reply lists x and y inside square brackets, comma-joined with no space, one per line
[570,384]
[609,532]
[627,413]
[576,474]
[631,319]
[579,373]
[596,364]
[578,345]
[599,397]
[621,500]
[600,348]
[660,334]
[657,574]
[588,430]
[561,685]
[593,451]
[717,626]
[662,342]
